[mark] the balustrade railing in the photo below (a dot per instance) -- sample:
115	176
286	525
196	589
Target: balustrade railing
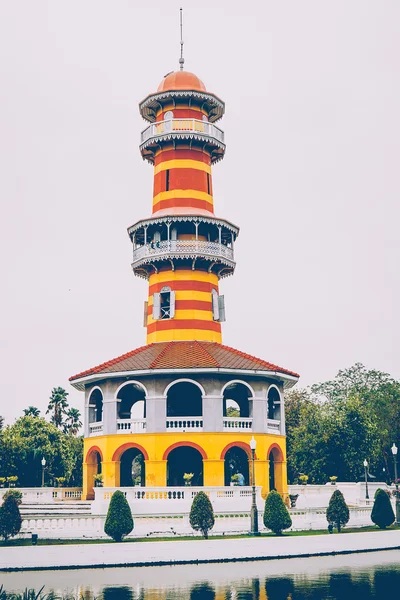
273	426
131	425
95	428
184	423
177	126
178	500
190	247
237	423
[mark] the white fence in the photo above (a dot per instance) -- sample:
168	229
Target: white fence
177	500
175	524
185	126
46	495
318	496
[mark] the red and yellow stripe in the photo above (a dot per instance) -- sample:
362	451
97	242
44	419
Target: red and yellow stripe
193	318
189	180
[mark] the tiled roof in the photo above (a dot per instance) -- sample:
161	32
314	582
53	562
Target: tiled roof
183	355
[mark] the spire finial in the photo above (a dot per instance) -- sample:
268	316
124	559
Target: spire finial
181	60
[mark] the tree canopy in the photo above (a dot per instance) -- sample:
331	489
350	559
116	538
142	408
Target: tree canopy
27	441
333	426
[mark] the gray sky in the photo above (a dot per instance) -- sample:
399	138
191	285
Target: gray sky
311	175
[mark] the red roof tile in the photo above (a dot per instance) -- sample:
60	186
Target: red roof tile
183	355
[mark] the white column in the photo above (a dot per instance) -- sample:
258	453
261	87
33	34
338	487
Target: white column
212	413
156	413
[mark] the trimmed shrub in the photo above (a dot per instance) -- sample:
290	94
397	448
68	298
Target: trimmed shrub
119	521
10	517
382	512
202	514
337	513
276	515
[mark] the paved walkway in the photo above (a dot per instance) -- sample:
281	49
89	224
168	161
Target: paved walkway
193	551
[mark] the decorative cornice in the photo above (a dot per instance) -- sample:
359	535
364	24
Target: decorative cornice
149	105
183	218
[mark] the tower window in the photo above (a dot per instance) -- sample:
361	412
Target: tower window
169	115
164	304
218	306
208	184
167	180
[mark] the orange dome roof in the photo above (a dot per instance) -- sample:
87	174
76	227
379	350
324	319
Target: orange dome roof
181	80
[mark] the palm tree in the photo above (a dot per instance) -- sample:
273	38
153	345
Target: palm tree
57	405
31	411
72	422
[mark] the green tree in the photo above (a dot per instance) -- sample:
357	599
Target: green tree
337	513
276	515
382	512
119	521
27	441
31	411
10	517
201	516
379	393
72	422
58	405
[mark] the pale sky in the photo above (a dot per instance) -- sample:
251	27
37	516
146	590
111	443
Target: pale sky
311	176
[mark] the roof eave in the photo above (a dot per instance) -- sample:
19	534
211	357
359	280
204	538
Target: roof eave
79	383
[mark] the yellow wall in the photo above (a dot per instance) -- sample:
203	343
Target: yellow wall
156	446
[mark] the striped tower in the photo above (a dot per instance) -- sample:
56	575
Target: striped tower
183	249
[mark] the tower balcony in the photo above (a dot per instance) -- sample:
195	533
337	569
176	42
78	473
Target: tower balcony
212	252
192	130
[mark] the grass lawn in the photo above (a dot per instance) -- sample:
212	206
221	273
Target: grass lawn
52	542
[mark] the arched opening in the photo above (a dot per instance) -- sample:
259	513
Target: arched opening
96	406
132	402
184	399
237	400
94	467
273	404
271	471
277	471
184	459
236	462
132	468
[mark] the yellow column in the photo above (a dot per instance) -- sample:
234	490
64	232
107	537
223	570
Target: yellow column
213	471
281	478
111	472
261	468
87	482
156	473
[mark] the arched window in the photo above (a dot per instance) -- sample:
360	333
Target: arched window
237	397
132	402
184	399
96	406
164	304
169	115
273	404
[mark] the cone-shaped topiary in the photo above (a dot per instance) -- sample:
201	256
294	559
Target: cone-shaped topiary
10	517
382	512
276	515
119	521
337	513
201	514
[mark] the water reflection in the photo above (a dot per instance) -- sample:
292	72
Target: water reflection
367	577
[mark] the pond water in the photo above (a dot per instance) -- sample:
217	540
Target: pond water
354	577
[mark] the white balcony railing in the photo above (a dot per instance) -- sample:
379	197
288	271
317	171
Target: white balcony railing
191	248
96	428
237	423
178	500
273	426
184	424
131	425
182	126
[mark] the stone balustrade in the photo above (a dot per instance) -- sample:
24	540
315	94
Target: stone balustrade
176	500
